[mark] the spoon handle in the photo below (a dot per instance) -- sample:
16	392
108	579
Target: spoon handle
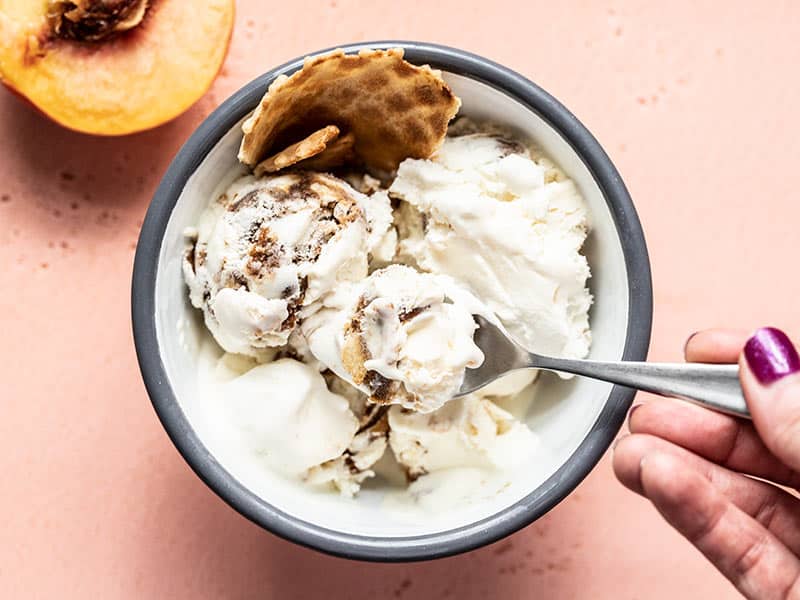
714	386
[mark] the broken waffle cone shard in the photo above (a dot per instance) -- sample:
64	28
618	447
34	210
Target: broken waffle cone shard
395	110
338	152
310	146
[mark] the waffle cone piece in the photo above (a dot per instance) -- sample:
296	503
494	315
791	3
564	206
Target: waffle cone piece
314	144
337	152
386	109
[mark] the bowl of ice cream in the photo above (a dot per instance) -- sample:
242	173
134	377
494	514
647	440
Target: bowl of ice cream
302	300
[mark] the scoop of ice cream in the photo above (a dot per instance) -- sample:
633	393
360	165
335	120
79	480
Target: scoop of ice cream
507	226
285	414
268	249
348	471
401	336
466	432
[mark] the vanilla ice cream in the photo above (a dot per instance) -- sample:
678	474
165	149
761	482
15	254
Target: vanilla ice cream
285	414
508	227
466	432
349	470
399	336
268	249
354	304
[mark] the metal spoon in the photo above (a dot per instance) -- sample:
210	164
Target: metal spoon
714	386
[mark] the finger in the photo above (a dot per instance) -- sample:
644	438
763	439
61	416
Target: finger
753	559
722	439
775	509
715	345
770	375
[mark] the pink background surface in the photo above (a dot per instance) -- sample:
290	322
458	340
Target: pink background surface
697	107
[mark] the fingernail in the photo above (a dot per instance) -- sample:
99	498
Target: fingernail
633	409
771	355
689	339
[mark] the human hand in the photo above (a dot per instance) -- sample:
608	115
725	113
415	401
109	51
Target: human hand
697	466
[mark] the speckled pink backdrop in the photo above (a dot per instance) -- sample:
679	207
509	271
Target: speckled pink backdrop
696	104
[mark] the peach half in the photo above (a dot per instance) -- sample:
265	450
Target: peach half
113	67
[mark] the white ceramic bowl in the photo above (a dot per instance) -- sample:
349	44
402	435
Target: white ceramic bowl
576	420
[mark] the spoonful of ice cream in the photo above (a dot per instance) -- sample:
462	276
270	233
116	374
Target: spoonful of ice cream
714	386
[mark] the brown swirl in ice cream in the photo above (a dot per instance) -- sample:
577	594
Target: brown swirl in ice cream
279	243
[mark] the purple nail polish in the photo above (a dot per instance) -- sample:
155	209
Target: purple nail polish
771	355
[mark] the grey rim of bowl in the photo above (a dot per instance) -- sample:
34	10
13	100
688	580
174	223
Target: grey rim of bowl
392	549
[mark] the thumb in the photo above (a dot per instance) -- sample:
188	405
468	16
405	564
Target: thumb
770	375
